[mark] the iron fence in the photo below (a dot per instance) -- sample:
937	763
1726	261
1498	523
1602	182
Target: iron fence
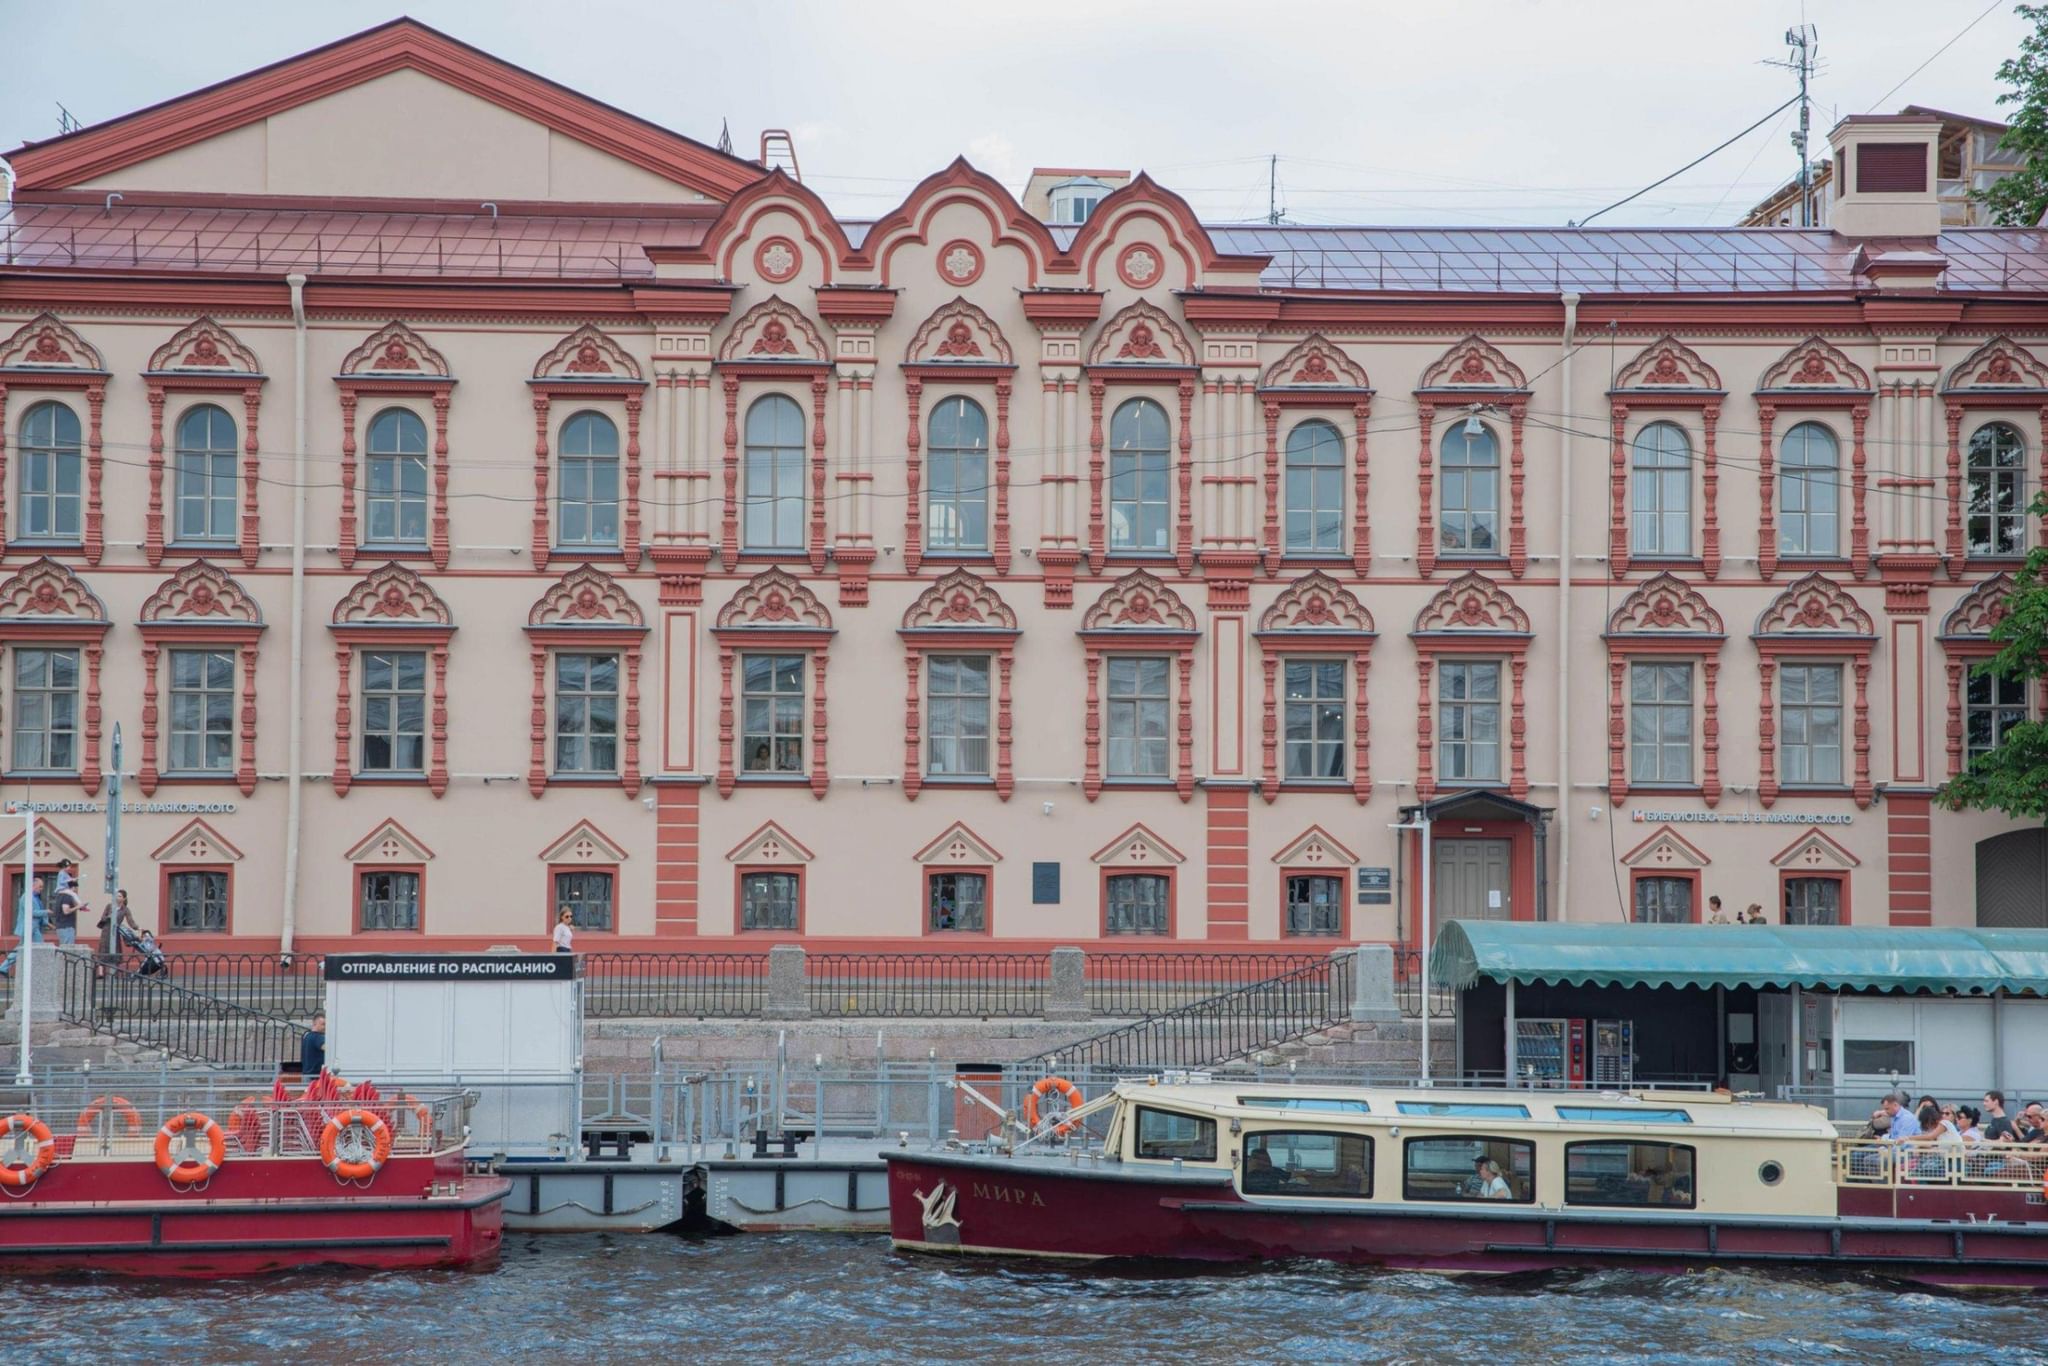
160	1014
1149	983
959	985
713	986
1409	992
290	988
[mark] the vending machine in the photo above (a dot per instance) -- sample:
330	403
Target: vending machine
1574	1052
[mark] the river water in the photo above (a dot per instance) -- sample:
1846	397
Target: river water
806	1298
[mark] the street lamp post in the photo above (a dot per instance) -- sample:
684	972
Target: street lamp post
25	923
1423	824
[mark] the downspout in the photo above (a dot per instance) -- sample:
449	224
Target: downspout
1565	644
295	760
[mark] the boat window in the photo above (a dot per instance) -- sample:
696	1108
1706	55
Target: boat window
1463	1109
1324	1165
1317	1103
1162	1134
1620	1114
1483	1168
1651	1174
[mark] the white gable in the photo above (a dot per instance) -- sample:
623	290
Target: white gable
197	842
1665	849
1315	847
771	844
1138	847
1815	850
390	843
959	845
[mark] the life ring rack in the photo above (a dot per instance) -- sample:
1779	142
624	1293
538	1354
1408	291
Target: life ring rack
188	1172
362	1169
89	1117
1047	1086
16	1178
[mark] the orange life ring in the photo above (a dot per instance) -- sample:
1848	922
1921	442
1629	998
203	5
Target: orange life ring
187	1171
1046	1086
21	1175
355	1169
88	1118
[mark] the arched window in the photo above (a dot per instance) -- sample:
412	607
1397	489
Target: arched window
1998	491
205	485
1809	492
397	500
1139	506
956	503
1315	489
1468	511
52	471
774	492
1662	476
587	512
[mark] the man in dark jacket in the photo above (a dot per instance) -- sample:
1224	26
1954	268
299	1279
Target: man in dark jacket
313	1048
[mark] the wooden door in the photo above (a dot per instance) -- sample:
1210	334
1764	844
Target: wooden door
1471	880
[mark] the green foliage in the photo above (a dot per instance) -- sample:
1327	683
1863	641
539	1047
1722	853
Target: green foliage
2017	200
2013	778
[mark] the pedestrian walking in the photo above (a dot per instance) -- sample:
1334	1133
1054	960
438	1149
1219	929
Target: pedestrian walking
31	924
565	931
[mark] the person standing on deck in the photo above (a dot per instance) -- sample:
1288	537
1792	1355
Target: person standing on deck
313	1048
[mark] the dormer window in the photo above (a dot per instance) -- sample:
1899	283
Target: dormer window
1073	200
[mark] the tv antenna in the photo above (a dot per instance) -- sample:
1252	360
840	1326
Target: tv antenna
1275	214
1803	44
67	122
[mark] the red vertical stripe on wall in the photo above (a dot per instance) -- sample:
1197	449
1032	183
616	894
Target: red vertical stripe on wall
1908	838
675	859
1229	856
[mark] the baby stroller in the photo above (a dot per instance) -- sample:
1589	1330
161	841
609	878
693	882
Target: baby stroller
144	945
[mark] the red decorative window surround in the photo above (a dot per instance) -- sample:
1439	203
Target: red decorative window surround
1814	618
1840	879
44	354
1813	376
586	609
1315	615
1172	876
1138	851
959	344
1139	615
774	341
1965	643
958	615
1316	374
1691	876
44	603
1473	372
200	607
1142	346
988	911
395	362
586	364
1473	617
553	910
773	611
391	606
803	888
1666	376
167	871
1664	619
365	870
204	358
2000	374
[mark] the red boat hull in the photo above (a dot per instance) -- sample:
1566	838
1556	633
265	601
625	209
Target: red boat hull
257	1214
1022	1208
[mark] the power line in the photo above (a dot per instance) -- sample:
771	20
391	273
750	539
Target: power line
1690	164
1936	53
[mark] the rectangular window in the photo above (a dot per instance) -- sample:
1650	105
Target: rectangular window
1137	722
768	901
1321	1105
199	902
1661	480
1653	1175
587	897
586	713
1462	1109
389	900
771	713
1315	490
956	901
1877	1057
1468	721
1139	511
202	711
50	494
1663	901
1810	724
394	711
1813	901
1315	905
1313	718
396	504
1136	903
1163	1135
46	711
1992	706
957	688
1660	723
1502	1169
1620	1114
1320	1165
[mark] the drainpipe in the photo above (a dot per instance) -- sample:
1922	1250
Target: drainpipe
295	761
1565	644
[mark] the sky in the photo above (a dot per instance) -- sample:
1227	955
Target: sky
1455	111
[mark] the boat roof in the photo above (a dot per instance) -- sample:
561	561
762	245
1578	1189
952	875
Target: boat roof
1624	1111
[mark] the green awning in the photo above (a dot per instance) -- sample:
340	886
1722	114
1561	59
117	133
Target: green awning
1830	956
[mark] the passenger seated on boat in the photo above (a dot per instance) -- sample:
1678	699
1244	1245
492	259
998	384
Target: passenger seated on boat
1491	1185
1261	1177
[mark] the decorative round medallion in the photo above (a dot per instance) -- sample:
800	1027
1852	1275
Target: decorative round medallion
1139	266
777	260
960	262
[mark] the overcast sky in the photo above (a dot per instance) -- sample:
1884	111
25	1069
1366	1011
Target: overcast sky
1452	111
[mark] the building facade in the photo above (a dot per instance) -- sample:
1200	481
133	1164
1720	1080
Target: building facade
471	501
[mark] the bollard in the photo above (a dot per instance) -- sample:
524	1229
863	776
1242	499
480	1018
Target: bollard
1066	996
787	998
1372	983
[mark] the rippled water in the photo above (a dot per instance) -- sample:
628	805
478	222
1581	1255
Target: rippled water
808	1298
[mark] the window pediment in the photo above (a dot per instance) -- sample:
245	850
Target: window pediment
772	598
1666	605
1815	605
196	842
1816	850
44	590
959	845
587	354
1315	363
773	330
45	342
958	334
390	842
1137	848
52	845
205	347
585	596
201	592
392	595
1980	610
1665	848
584	843
1472	602
395	351
1139	602
1315	847
1317	602
1668	363
1814	364
1474	363
2000	363
1142	334
770	844
960	601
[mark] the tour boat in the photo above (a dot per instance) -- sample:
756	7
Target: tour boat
1456	1180
187	1184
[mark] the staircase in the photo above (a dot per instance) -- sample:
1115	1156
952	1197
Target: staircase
126	1016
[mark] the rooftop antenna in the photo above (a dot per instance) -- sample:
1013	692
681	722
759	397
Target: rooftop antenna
67	122
1804	44
1274	213
725	136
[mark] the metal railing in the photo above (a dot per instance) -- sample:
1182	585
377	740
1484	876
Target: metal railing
1217	1029
1878	1162
160	1014
674	986
1409	992
291	989
1151	983
956	985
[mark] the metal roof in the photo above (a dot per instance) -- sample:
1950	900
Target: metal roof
1828	956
